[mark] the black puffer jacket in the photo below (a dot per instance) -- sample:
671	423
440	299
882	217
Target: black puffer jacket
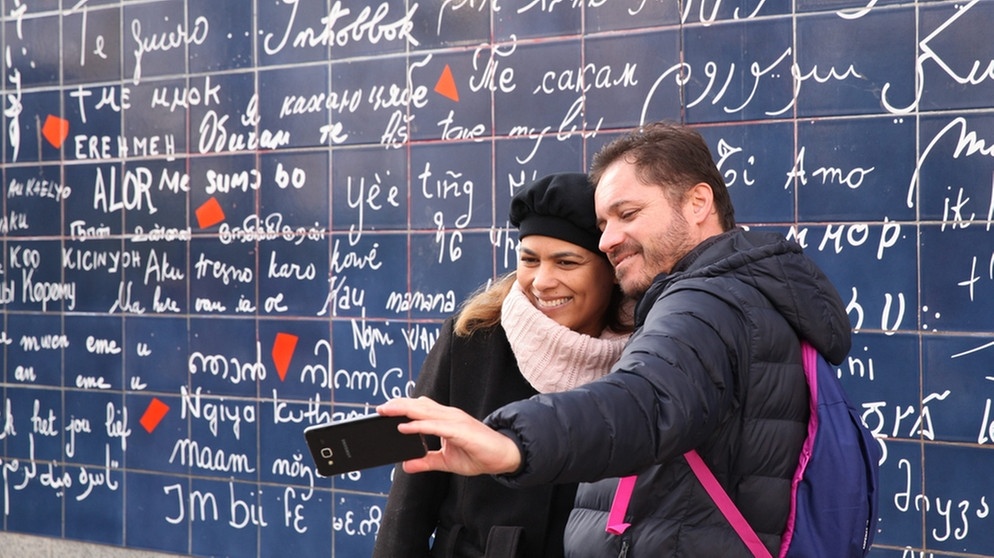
472	517
715	364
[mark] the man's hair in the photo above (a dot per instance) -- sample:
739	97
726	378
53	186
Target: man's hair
672	156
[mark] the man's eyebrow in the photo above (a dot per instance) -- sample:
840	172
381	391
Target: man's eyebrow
613	206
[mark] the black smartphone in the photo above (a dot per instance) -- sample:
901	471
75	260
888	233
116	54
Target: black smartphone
361	442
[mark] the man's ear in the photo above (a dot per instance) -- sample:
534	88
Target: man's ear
700	203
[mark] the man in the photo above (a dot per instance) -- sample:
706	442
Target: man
714	365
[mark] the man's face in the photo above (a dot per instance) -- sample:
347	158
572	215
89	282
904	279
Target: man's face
642	234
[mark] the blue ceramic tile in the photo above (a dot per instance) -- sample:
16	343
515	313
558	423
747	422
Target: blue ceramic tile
631	14
880	376
383	29
523	19
93	357
369	190
449	24
222	277
377	88
96	435
170	500
958	495
160	129
854	169
25	117
451	186
96	267
103	187
299	99
157	276
443	274
752	159
34	357
33	504
160	427
35	272
233	182
96	513
158	39
714	12
370	362
283	453
40	442
953	183
901	495
877	281
239	514
451	95
738	71
283	32
955	371
94	118
92	39
298	360
544	96
644	67
846	66
34	197
223	438
155	357
366	273
956	287
228	45
42	6
848	8
168	187
359	517
305	530
295	192
952	58
226	118
224	360
293	278
34	51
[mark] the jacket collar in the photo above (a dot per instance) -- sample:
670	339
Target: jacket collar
663	280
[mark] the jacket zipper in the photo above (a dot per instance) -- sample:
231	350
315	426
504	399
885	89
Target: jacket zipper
624	548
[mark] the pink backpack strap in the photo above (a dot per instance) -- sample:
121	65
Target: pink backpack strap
725	504
619	507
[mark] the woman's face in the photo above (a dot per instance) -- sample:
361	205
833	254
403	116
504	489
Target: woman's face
568	283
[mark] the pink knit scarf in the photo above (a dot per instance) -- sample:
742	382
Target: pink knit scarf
553	357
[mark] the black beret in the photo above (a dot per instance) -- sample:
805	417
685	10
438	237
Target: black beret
560	206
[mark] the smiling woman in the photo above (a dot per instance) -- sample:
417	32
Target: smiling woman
557	322
565	282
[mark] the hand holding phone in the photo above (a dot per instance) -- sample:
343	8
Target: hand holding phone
359	443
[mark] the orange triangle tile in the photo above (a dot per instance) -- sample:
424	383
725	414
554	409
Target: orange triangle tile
446	85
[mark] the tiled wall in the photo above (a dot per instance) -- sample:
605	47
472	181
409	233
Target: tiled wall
226	220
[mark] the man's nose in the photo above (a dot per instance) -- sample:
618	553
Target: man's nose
610	237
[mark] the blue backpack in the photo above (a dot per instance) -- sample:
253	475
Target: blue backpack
833	500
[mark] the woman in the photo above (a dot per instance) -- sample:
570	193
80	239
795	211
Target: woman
558	321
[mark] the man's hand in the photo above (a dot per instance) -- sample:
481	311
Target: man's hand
469	447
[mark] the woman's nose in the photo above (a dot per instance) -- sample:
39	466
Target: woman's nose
545	277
